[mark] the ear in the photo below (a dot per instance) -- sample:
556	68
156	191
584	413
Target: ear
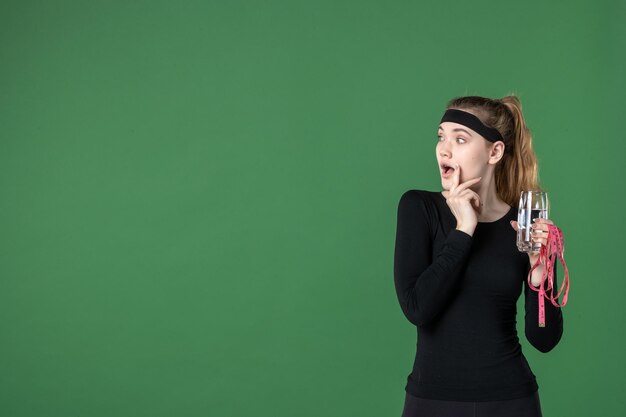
496	152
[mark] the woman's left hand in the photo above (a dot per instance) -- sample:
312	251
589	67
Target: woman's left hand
539	233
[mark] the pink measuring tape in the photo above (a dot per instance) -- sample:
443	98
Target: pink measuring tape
555	247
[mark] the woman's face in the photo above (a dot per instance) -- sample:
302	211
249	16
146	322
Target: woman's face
458	144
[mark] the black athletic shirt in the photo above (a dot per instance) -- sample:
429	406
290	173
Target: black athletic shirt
461	292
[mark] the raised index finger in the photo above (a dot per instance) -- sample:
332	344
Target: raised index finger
467	183
456	177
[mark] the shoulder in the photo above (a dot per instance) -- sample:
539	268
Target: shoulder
417	210
418	200
419	197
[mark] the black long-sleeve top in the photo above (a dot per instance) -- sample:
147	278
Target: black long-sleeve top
461	291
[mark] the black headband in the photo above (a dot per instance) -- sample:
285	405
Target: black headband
468	119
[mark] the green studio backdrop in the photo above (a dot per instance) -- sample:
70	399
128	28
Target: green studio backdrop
198	199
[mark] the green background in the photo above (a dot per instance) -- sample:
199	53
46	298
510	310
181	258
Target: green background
198	199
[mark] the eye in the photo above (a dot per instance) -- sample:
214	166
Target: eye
458	139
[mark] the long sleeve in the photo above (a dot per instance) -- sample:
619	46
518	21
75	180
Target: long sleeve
546	338
423	285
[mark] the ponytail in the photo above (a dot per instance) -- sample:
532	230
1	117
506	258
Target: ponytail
517	171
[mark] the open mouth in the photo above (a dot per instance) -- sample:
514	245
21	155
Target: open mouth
446	169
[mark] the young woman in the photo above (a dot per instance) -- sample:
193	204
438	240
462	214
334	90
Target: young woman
458	273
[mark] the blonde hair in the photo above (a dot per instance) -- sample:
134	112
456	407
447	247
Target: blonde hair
517	171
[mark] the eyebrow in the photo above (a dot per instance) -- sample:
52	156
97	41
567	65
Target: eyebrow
458	130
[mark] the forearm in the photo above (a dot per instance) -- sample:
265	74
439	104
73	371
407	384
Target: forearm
543	338
536	275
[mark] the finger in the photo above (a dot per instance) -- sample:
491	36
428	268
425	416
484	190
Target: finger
538	241
477	197
471	195
539	238
514	225
468	183
456	177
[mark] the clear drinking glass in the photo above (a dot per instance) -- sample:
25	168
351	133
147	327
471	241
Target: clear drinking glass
532	205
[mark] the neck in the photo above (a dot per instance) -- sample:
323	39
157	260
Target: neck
492	207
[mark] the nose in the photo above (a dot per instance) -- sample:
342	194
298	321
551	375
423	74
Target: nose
444	149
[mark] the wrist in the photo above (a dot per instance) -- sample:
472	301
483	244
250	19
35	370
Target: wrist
537	274
467	229
533	257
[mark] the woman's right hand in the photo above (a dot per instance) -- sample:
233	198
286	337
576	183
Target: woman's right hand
460	198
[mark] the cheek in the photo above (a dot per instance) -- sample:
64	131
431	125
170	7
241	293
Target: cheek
475	159
472	165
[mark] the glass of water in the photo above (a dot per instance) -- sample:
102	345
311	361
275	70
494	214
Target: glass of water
532	205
